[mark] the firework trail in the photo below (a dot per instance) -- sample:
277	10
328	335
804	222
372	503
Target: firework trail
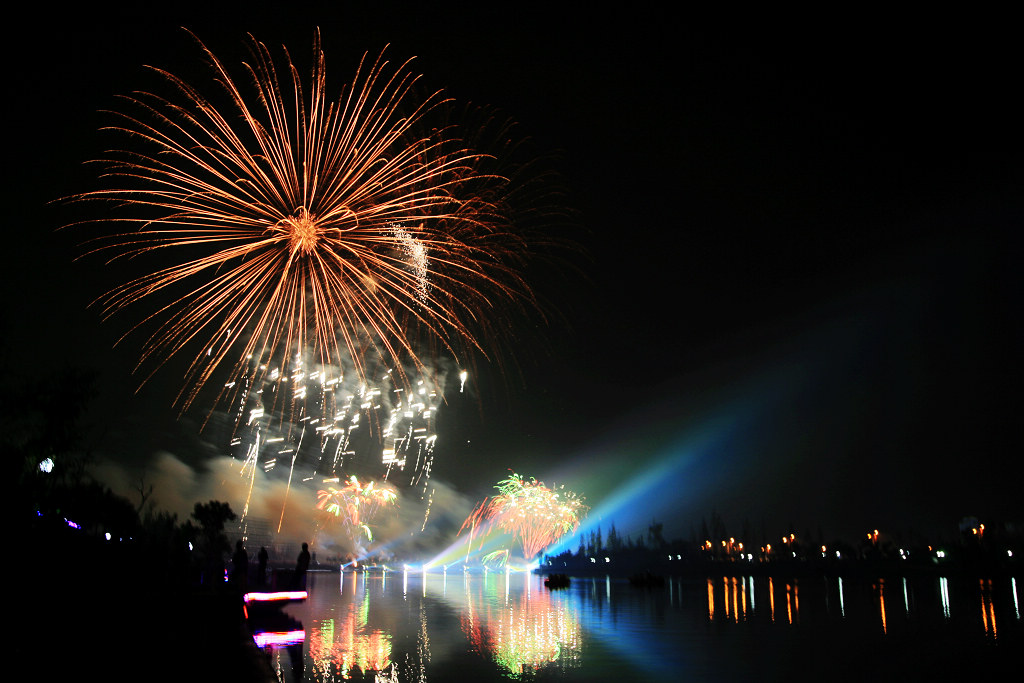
476	521
333	430
529	511
304	229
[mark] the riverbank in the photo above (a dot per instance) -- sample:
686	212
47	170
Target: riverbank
136	635
79	611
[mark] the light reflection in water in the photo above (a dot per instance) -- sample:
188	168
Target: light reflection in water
423	645
792	602
529	631
738	604
278	638
339	646
725	592
988	611
880	587
386	631
739	599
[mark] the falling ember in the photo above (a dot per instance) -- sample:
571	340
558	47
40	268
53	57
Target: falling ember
416	254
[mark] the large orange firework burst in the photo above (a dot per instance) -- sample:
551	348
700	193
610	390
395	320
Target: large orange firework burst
288	224
531	512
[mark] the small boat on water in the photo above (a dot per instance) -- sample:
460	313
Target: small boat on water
556	581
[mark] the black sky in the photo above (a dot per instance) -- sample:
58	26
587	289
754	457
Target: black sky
811	217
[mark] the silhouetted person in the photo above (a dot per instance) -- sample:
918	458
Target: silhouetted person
301	566
240	560
262	578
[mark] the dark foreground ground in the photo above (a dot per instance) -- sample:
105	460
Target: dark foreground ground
79	614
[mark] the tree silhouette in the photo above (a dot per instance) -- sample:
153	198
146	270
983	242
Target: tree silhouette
211	542
654	534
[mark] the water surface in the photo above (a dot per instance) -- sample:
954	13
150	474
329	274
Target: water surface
399	626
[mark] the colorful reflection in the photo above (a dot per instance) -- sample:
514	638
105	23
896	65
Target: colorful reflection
734	591
523	631
988	610
793	602
340	646
266	639
738	599
733	599
879	589
385	626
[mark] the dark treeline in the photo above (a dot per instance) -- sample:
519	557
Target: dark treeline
75	522
117	583
975	547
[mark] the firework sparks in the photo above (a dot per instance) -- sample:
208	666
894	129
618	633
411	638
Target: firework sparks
532	513
308	418
295	223
356	504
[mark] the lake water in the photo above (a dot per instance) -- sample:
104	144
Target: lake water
492	627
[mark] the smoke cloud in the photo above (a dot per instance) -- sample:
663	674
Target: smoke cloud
284	514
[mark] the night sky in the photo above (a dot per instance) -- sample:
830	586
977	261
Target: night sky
799	303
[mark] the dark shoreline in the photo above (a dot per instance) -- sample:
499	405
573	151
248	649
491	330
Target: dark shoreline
99	608
866	571
93	605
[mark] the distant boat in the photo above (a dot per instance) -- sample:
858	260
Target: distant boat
556	581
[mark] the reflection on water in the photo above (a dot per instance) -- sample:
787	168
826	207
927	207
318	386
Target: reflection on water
419	627
880	586
988	611
522	631
739	599
337	645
